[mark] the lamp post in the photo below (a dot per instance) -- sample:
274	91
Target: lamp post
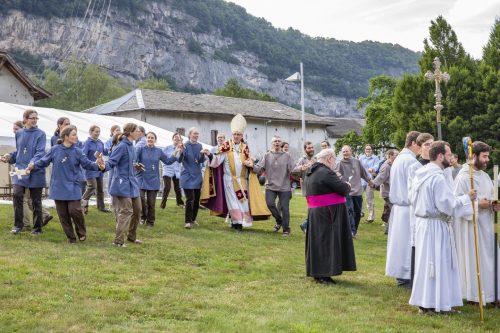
437	77
265	145
296	77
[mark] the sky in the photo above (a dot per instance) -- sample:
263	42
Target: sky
403	22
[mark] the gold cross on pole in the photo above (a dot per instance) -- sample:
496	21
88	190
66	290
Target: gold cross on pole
437	77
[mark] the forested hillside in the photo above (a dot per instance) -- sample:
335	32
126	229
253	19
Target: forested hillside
333	67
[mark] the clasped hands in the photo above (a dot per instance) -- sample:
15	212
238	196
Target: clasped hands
5	158
100	161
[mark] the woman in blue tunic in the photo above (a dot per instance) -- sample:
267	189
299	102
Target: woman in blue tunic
191	179
124	187
30	145
65	188
61	123
94	178
148	175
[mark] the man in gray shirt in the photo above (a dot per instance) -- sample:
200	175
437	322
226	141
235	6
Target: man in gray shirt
352	171
383	180
300	169
277	165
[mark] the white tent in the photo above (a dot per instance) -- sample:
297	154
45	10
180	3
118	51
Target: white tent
10	113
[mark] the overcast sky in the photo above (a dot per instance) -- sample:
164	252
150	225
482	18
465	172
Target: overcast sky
404	22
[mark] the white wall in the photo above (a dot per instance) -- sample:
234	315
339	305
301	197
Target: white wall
255	133
12	90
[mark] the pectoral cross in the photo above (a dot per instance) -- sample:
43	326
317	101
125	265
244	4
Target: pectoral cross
25	150
153	166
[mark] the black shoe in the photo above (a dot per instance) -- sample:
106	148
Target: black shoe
286	233
369	221
324	280
16	230
36	232
303	228
163	204
46	220
276	227
105	210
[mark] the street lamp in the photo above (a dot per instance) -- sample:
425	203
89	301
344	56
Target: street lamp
265	145
293	78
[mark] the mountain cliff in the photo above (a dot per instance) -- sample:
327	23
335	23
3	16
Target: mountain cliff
198	46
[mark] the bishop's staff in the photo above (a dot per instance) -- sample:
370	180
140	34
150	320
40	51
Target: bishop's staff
468	152
495	248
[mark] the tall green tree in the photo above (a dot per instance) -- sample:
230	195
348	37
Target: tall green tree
442	43
491	52
378	106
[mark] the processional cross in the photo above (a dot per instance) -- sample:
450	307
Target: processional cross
437	76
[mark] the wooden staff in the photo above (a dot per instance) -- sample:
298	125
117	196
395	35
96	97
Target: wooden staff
495	247
468	152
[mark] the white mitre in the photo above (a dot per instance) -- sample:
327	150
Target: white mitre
238	124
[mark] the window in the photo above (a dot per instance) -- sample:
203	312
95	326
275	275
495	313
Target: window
181	131
213	137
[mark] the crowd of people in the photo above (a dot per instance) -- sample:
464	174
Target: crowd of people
428	200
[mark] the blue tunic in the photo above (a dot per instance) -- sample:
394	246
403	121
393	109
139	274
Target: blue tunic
123	181
149	179
30	145
66	168
173	169
53	139
192	161
89	148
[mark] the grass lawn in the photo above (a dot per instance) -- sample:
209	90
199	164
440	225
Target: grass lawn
209	279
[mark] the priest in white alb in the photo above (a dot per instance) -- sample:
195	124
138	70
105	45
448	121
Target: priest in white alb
398	263
436	284
464	229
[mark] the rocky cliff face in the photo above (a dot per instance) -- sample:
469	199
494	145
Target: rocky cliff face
155	43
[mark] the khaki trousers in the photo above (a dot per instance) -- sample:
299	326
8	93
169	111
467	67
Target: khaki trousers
127	213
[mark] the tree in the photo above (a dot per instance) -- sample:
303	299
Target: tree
154	84
412	108
353	140
80	87
491	52
442	43
378	106
234	89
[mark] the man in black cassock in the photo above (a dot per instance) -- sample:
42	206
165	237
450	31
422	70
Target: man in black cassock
329	247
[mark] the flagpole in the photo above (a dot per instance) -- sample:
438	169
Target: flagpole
302	103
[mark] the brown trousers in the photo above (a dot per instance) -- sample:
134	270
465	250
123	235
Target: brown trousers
94	185
127	213
71	211
148	201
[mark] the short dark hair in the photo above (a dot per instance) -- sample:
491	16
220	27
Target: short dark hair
307	143
422	137
391	152
369	145
479	147
142	129
411	137
327	143
283	144
437	147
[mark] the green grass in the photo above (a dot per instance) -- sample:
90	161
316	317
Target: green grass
209	279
